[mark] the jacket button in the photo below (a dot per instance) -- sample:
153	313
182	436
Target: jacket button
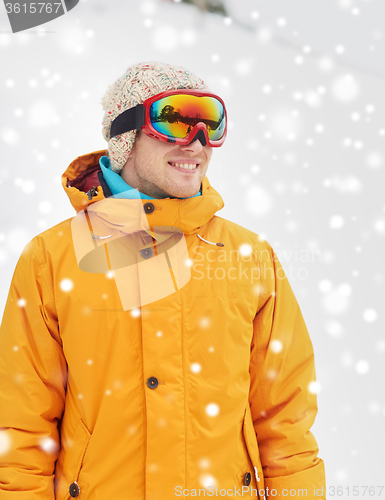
74	489
152	382
247	479
148	208
146	253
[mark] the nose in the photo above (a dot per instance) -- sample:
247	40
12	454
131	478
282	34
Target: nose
195	147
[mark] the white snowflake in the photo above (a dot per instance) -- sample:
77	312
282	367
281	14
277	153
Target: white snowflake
66	285
212	409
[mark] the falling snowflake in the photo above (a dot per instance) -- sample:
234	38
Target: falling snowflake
132	429
271	374
345	88
341	475
258	201
204	463
5	442
264	34
374	160
41	114
135	313
153	467
212	410
276	346
284	124
325	286
188	37
345	184
66	285
244	66
49	445
245	250
347	359
379	226
336	301
9	136
162	422
27	186
45	207
334	328
196	367
336	221
314	387
207	480
326	64
370	315
165	38
374	407
362	366
204	322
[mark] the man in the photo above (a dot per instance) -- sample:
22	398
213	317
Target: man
150	349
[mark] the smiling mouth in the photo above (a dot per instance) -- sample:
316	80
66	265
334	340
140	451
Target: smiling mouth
185	166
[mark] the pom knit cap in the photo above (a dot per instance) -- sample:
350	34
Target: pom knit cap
138	83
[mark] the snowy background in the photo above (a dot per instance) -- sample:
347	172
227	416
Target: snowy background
303	164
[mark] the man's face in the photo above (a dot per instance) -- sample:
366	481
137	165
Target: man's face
149	167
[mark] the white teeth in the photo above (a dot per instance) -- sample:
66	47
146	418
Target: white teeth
185	165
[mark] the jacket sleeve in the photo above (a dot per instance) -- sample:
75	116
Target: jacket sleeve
282	403
33	374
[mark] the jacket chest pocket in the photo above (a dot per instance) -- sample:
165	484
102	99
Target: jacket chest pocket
73	462
252	478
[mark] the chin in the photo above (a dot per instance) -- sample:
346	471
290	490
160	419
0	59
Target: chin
184	195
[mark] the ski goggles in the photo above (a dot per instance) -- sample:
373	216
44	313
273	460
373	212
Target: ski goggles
177	116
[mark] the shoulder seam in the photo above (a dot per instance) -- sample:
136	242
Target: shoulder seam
42	269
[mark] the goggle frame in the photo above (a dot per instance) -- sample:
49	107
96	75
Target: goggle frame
138	118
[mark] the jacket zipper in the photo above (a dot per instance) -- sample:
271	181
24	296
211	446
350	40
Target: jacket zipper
258	479
80	468
81	464
92	192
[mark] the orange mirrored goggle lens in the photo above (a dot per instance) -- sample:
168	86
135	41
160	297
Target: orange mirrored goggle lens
177	115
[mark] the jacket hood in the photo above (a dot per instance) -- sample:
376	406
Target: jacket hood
83	183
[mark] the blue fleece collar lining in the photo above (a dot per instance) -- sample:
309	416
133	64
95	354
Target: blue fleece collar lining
120	189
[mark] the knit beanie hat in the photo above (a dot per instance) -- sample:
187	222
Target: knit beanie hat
138	83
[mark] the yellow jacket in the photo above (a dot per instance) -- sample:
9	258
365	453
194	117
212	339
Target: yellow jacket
184	373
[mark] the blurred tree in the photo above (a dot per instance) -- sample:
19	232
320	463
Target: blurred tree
216	6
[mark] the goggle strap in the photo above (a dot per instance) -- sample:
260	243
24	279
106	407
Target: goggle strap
131	119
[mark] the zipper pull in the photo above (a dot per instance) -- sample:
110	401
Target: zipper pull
256	474
92	192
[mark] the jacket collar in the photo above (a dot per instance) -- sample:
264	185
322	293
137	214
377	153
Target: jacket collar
188	214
